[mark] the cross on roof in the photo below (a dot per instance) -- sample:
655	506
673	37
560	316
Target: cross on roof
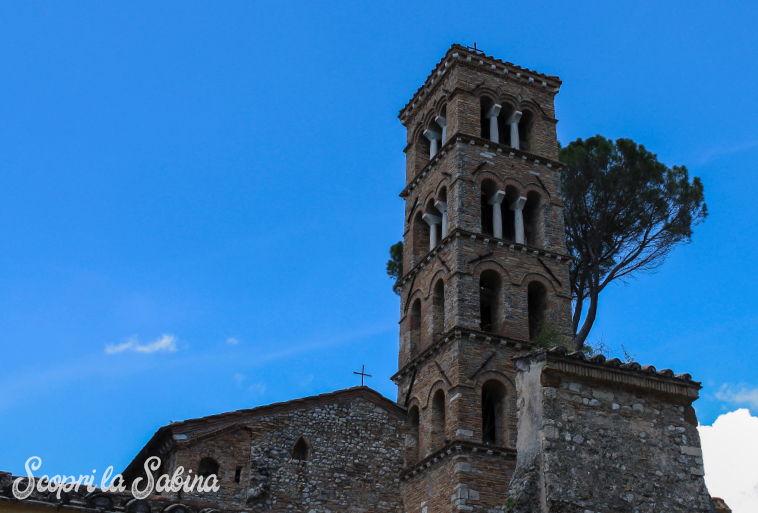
363	374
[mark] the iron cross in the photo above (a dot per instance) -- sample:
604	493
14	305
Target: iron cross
362	373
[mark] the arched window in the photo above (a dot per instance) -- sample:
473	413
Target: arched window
415	329
207	467
525	129
438	308
441	205
509	216
537	306
301	451
489	189
423	148
411	442
433	218
503	127
533	219
493	413
420	238
434	135
489	297
438	420
486	104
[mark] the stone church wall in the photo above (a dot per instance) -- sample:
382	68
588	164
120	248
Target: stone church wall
605	436
355	457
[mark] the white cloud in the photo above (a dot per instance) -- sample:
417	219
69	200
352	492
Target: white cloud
730	452
239	378
743	396
232	341
164	343
258	387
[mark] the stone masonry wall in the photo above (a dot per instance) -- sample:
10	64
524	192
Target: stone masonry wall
599	437
356	455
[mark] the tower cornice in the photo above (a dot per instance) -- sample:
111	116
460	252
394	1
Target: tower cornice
471	140
516	247
460	55
449	337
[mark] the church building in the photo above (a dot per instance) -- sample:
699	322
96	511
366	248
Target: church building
484	420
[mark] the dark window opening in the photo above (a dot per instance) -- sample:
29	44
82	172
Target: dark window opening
237	474
438	305
438	420
415	331
532	220
524	129
486	105
207	467
420	238
302	450
493	413
413	439
489	292
537	306
489	189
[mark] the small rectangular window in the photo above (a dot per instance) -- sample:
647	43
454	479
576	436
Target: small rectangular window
237	474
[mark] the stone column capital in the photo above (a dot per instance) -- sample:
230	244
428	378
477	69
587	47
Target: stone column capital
518	204
441	121
431	220
494	111
514	118
441	206
497	198
432	135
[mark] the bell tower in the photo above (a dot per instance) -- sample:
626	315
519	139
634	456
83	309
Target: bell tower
486	271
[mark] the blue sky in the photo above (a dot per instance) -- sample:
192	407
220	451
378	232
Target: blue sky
210	190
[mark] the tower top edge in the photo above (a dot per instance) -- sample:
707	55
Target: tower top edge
458	54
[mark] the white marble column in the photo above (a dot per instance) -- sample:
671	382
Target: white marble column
442	121
497	214
518	210
432	221
492	116
513	122
433	138
442	207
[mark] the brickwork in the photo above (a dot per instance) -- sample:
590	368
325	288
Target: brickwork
454	351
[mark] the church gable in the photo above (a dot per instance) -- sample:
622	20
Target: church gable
334	449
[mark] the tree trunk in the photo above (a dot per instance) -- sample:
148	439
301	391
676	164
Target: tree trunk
581	337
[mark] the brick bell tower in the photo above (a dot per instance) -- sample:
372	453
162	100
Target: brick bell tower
486	270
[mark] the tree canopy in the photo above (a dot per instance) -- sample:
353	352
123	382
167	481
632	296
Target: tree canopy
624	213
395	265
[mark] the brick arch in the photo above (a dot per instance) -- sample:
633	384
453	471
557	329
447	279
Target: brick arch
418	133
548	283
443	183
414	402
508	99
437	276
417	294
483	175
510	399
531	106
515	183
438	105
428	118
499	376
491	265
431	195
535	187
438	385
483	91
